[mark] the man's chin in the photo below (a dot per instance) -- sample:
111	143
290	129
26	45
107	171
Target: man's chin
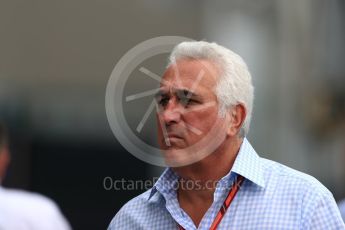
176	157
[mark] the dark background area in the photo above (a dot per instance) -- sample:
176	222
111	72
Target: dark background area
73	174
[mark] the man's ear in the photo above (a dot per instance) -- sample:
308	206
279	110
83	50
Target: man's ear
236	114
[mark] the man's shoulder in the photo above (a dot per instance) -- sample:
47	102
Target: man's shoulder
293	179
137	202
132	211
302	196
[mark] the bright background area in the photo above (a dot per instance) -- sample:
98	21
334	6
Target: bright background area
56	58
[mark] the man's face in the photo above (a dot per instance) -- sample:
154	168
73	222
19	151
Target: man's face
188	106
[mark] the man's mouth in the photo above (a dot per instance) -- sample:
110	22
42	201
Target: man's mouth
173	136
171	139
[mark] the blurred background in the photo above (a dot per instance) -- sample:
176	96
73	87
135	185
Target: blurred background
57	56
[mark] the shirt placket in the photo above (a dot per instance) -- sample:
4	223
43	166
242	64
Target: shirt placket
220	193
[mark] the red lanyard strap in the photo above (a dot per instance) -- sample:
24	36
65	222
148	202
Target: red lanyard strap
226	204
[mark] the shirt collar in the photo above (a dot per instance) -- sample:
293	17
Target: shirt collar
165	185
247	164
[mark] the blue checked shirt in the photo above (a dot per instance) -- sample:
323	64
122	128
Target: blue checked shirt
272	196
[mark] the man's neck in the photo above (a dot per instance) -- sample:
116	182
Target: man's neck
213	167
198	181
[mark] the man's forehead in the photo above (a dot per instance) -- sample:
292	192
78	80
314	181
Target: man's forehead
193	88
187	69
196	82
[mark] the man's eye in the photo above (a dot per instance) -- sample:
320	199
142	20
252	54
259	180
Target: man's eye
185	101
163	101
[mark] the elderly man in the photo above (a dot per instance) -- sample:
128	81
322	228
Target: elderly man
216	180
21	210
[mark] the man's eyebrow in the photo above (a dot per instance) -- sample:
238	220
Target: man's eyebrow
161	92
186	93
178	92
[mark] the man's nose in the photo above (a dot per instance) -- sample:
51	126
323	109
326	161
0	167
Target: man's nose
171	113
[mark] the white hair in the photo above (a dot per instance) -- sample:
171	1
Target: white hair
234	86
